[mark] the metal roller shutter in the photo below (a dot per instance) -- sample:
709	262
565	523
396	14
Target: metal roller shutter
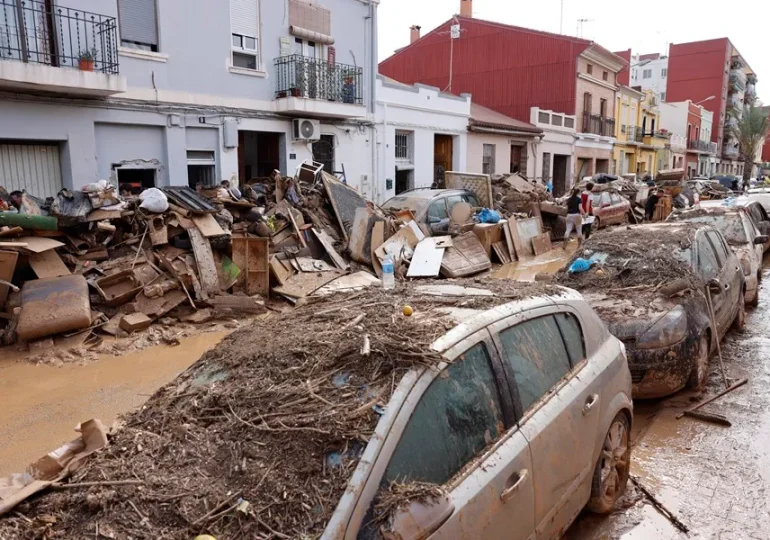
33	167
244	17
138	21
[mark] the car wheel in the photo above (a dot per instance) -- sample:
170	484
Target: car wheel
700	371
611	472
754	302
624	221
597	223
740	319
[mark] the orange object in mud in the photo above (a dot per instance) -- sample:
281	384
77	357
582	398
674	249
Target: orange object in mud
52	306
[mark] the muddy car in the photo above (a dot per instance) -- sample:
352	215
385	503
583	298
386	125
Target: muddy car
432	208
650	285
478	416
609	208
741	234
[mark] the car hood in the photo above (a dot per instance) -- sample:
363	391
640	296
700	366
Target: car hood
628	317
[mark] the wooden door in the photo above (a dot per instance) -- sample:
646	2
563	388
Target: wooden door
442	157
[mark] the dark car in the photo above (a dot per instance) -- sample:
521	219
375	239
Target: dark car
651	287
431	207
758	215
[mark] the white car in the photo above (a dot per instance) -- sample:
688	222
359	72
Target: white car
741	234
526	423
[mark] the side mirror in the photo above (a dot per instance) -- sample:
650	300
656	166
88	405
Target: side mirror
715	286
418	520
761	240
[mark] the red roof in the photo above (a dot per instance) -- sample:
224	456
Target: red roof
484	117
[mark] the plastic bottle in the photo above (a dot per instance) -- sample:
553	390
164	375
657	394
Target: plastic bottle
388	279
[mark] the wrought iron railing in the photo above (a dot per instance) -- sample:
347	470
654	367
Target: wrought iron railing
54	35
598	125
300	76
729	151
702	146
737	83
639	134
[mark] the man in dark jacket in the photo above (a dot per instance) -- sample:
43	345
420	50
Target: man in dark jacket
652	201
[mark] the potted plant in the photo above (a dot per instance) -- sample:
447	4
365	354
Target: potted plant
86	59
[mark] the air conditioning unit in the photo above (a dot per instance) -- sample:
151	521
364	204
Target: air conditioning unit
306	130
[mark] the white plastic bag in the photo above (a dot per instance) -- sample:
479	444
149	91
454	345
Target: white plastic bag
153	200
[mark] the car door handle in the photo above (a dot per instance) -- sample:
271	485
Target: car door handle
511	491
590	402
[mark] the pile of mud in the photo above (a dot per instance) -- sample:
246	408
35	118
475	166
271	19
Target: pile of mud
259	437
639	260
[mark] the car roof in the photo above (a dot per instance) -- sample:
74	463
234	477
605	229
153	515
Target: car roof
430	193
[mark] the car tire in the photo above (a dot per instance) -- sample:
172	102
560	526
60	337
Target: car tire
754	302
611	473
700	370
625	219
739	322
597	223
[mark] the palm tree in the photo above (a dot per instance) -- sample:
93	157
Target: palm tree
750	128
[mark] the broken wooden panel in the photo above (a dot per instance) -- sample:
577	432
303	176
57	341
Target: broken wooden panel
360	245
479	184
53	305
250	254
527	229
426	261
403	242
465	258
118	288
305	283
327	244
541	243
345	200
238	304
204	259
501	251
157	307
208	226
377	239
38	244
488	234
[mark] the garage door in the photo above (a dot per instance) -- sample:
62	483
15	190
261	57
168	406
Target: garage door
34	167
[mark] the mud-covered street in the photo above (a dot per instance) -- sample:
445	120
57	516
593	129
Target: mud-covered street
714	479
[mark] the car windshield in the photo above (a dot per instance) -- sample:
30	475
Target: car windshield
415	204
729	225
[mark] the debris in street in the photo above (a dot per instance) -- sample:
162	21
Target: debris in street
399	496
734	386
675	521
709	417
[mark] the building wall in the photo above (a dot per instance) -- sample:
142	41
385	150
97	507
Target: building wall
697	71
557	140
657	81
485	66
423	111
476	142
597	87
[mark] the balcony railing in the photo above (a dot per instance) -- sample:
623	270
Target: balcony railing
702	146
598	125
729	152
737	83
639	134
300	76
54	35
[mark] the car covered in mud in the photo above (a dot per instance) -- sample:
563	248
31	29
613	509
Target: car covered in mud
486	413
432	208
609	207
741	234
653	285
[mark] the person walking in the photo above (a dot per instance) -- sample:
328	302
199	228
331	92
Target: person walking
574	217
652	202
588	209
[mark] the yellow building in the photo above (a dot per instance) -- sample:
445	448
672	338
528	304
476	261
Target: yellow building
628	133
653	139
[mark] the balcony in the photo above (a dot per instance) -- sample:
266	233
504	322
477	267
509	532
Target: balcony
702	146
314	87
598	125
729	152
737	83
52	48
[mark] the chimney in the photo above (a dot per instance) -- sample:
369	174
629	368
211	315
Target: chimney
466	8
415	35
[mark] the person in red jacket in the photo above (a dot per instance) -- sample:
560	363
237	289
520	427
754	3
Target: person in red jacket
588	209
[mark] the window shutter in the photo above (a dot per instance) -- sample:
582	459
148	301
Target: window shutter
310	18
244	17
138	21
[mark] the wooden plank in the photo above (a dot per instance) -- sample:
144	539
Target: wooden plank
207	225
7	267
360	244
303	284
345	200
513	230
488	234
502	252
38	244
99	214
509	241
426	261
11	231
242	304
280	271
204	258
407	237
250	254
541	243
328	245
48	264
378	238
466	257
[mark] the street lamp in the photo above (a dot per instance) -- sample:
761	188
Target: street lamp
705	100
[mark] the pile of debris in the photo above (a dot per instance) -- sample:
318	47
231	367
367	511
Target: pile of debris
260	436
513	194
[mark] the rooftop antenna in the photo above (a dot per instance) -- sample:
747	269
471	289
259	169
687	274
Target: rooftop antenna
580	23
561	18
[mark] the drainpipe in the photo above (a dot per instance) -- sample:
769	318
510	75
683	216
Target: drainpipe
373	98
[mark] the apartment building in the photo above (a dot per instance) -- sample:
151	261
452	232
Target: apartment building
691	123
628	136
648	71
177	92
714	74
564	74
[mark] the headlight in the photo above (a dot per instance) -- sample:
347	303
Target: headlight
671	328
746	265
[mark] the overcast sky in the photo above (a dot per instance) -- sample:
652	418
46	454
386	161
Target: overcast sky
645	26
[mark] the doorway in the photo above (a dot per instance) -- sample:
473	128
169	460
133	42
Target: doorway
259	154
404	181
442	158
560	168
134	181
602	166
323	152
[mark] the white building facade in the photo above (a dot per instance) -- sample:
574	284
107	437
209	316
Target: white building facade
556	150
650	71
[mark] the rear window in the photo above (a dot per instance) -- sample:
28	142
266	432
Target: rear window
414	204
728	224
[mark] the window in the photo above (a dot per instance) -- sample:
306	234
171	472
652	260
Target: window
471	199
587	102
543	117
244	25
633	74
488	159
404	146
569	122
536	354
138	24
557	120
573	336
201	168
603	107
719	247
708	265
605	76
647	74
437	211
323	152
456	418
663	96
664	72
589	69
615	199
